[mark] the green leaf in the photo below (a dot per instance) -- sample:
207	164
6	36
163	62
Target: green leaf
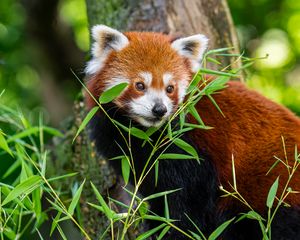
186	147
139	133
167	212
156	195
215	234
75	199
151	130
86	120
4	145
37	204
175	156
194	83
251	215
125	168
157	218
213	60
23	188
197	126
163	232
62	176
218	73
108	212
55	222
112	93
12	167
196	236
272	193
156	168
35	130
195	225
218	50
216	85
2	93
143	209
195	114
216	105
149	233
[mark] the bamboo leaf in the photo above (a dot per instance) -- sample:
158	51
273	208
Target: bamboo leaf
139	133
125	168
186	147
86	120
108	212
62	176
4	145
272	193
156	167
112	93
75	199
156	195
167	212
23	188
215	234
218	50
213	60
196	236
149	233
163	232
34	130
195	114
175	156
218	73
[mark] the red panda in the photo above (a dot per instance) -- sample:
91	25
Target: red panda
158	70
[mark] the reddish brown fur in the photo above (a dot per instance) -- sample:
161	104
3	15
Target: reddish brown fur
251	131
147	52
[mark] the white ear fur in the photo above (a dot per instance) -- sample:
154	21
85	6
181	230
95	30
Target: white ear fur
193	48
105	39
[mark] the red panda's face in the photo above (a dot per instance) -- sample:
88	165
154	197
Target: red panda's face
157	70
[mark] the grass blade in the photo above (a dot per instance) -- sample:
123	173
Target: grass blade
272	193
215	234
4	145
149	233
75	199
186	147
108	212
110	94
125	168
23	188
176	156
86	120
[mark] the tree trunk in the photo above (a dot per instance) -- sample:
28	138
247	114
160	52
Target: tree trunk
210	17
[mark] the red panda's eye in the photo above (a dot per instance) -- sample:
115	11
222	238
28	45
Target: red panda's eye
170	89
140	86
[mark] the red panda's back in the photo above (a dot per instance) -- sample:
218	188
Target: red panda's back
251	132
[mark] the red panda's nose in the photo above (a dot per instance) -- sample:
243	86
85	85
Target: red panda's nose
159	110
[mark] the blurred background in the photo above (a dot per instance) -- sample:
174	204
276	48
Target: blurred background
41	41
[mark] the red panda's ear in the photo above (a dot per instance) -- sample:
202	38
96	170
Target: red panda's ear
105	39
193	48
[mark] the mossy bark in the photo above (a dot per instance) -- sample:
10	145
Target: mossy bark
210	17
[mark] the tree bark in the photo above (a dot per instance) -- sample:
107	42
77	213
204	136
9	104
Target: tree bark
210	17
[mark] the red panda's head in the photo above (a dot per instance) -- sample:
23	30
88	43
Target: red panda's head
156	68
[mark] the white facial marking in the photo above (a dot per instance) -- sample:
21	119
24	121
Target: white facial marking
141	107
182	87
147	76
167	77
115	81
